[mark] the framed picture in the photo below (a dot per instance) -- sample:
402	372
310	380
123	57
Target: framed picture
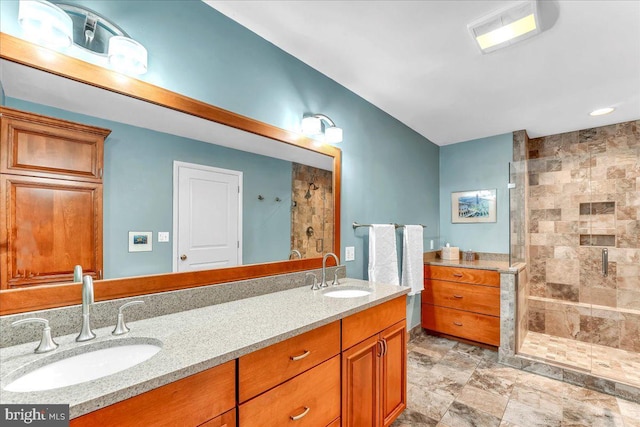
140	241
473	206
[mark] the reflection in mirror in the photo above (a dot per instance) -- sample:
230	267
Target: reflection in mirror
286	199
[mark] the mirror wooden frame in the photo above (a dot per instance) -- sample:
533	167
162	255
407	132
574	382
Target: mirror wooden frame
51	296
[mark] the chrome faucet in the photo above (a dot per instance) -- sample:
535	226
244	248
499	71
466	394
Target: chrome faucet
86	333
295	252
323	282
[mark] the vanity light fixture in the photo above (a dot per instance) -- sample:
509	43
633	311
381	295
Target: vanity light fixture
45	24
58	25
317	125
601	111
506	26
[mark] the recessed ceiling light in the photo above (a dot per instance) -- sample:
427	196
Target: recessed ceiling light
601	111
506	26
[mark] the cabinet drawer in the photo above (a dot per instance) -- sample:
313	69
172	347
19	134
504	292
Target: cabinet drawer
463	296
228	419
42	146
362	325
263	369
187	402
463	275
313	396
472	326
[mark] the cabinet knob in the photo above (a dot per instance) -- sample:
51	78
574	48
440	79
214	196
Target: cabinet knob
458	296
457	323
183	257
457	275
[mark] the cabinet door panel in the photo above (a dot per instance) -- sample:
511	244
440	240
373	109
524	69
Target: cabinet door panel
190	401
476	298
393	374
463	275
49	226
313	397
37	145
360	384
364	324
472	326
266	368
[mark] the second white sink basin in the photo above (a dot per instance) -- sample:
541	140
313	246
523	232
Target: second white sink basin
345	291
86	366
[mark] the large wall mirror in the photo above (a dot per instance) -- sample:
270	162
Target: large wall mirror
285	177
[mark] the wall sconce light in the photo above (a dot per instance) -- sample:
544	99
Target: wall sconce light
315	125
58	25
506	26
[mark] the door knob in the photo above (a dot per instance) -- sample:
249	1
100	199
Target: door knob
183	257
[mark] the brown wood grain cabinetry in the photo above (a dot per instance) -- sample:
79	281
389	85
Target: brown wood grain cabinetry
462	302
310	399
191	401
374	368
51	195
228	419
263	369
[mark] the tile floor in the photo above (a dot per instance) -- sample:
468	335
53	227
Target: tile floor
603	361
451	384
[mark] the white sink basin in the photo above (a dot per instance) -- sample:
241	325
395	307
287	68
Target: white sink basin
89	365
342	291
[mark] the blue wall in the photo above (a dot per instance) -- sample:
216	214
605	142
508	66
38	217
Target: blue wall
480	164
390	172
138	193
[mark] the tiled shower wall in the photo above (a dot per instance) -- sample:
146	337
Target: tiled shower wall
583	196
311	211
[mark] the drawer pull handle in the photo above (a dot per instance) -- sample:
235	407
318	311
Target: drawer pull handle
297	417
457	323
457	274
302	356
458	296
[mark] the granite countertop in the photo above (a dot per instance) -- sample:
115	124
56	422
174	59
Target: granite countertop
192	341
500	266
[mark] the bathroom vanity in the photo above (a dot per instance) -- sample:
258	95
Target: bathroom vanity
462	299
265	360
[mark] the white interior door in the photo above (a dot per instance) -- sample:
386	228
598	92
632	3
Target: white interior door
207	217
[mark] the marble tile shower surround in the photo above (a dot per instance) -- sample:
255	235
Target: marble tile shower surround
316	211
66	320
584	187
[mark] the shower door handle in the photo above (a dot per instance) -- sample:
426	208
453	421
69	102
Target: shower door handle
605	262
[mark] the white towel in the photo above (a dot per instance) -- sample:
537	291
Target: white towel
412	258
383	259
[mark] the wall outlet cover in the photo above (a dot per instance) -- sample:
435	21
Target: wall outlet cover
163	236
349	253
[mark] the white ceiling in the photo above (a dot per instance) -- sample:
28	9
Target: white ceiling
416	61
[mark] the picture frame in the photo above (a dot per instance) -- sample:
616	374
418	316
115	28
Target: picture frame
140	241
475	206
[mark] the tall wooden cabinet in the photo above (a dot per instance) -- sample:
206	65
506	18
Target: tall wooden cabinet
51	199
374	365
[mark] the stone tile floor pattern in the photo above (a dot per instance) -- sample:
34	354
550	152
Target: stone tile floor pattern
607	362
452	384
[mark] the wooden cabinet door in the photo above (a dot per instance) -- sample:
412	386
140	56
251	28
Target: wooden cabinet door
360	384
188	402
393	372
47	226
47	147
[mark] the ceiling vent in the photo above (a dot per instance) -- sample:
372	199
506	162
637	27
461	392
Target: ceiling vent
506	26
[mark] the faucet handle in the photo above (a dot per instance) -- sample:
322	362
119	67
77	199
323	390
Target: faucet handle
314	286
335	274
121	327
46	342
